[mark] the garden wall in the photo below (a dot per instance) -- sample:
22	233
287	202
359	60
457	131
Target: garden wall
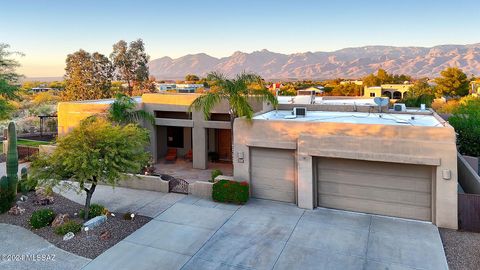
144	182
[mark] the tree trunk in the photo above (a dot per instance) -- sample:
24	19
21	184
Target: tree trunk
88	199
232	120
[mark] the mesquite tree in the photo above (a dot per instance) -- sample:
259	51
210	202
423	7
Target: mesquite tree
96	151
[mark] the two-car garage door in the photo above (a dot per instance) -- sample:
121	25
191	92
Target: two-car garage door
392	189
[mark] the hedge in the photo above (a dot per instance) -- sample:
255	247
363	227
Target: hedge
230	191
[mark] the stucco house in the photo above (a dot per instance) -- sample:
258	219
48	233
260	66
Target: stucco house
392	91
350	157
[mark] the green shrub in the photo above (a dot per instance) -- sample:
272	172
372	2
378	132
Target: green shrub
94	211
69	226
230	191
41	218
216	173
466	121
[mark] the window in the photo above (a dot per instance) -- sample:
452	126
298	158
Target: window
175	137
372	94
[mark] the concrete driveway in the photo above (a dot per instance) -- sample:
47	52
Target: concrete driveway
200	234
19	241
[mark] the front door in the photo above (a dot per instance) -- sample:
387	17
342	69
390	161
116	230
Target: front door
224	144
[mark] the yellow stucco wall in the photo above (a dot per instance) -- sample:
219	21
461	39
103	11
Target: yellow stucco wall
71	113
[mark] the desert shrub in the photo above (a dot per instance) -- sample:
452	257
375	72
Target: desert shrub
95	210
41	218
230	191
216	173
69	226
445	107
416	101
466	121
6	199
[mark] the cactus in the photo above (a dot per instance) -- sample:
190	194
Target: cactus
12	158
6	195
24	173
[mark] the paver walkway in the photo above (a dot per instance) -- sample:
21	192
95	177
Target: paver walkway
16	240
196	234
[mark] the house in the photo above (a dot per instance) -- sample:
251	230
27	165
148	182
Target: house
174	126
392	91
395	164
274	86
356	82
179	87
343	154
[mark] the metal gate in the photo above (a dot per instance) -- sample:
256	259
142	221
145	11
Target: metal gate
178	185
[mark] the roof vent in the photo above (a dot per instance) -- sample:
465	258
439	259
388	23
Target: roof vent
399	107
300	111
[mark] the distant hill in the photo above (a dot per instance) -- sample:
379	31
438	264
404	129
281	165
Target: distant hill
344	63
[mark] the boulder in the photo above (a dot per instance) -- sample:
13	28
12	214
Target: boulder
105	235
44	200
16	210
59	220
95	222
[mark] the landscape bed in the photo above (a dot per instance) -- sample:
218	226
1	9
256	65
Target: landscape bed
462	249
86	246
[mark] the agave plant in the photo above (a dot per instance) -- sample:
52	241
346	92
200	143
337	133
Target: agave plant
124	111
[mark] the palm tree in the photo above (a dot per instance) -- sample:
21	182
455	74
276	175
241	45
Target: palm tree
237	92
123	111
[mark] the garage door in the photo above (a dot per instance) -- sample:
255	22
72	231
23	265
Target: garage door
272	174
392	189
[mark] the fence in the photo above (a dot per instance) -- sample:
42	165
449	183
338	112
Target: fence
469	212
25	152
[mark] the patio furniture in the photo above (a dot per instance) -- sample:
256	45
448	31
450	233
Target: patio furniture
189	155
171	154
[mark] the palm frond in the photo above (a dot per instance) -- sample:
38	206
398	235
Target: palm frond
205	103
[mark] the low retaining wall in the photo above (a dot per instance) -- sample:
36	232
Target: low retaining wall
201	189
46	149
144	182
467	176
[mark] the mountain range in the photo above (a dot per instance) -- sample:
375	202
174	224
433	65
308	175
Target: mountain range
345	63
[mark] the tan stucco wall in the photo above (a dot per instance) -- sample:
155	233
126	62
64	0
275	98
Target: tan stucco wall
434	146
71	113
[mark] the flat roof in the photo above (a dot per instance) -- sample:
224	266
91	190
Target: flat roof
106	101
404	119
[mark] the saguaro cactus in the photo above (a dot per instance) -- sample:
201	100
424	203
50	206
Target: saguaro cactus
12	158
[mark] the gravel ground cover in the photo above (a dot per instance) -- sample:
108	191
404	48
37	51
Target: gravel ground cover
461	248
83	244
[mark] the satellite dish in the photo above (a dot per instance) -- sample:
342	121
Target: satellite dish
381	101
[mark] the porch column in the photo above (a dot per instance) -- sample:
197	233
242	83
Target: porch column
199	147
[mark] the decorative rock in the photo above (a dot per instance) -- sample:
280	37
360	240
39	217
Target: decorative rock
60	220
40	192
105	235
23	198
95	222
16	210
44	200
68	236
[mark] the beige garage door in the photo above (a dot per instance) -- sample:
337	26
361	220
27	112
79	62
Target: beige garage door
272	174
392	189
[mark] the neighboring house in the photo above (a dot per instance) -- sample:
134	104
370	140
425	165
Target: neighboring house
311	90
179	87
41	89
475	88
356	82
174	126
392	91
339	155
274	86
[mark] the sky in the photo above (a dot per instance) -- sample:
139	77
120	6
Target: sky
46	31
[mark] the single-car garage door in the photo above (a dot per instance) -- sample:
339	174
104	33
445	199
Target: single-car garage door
272	174
400	190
